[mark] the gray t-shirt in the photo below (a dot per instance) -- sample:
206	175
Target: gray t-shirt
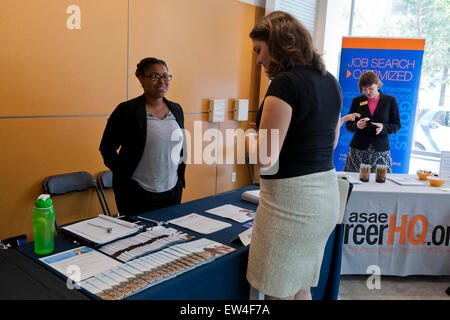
157	171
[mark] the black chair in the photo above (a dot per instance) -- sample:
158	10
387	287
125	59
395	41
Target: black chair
104	181
70	182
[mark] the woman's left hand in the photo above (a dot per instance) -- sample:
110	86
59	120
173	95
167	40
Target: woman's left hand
379	127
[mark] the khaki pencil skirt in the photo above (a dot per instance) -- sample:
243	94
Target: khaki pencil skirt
294	219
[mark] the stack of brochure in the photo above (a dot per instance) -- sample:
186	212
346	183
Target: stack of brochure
146	271
251	196
143	243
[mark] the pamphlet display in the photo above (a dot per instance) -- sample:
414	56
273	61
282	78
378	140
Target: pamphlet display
146	271
128	258
151	240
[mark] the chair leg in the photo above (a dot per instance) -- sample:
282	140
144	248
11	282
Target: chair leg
101	203
105	202
249	169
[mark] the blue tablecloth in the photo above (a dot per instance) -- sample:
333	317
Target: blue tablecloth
224	278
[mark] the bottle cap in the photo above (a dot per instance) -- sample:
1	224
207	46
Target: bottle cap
44	201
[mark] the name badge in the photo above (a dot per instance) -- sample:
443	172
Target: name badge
363	103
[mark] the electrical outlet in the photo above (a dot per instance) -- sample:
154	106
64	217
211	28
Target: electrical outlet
233	177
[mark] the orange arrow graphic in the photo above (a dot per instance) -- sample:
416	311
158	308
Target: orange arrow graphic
348	73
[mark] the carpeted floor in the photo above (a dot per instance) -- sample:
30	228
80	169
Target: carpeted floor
355	287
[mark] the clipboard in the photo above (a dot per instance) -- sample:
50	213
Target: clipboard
93	232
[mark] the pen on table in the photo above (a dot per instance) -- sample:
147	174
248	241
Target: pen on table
108	229
154	221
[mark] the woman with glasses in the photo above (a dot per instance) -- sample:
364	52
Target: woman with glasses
143	143
298	207
378	118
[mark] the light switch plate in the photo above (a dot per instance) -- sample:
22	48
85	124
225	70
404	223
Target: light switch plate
240	109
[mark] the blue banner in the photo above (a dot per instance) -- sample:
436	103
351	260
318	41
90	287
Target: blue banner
399	70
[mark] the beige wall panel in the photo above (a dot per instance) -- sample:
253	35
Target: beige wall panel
35	148
263	86
48	69
205	44
233	153
200	177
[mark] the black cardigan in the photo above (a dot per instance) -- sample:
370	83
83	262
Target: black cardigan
386	113
127	128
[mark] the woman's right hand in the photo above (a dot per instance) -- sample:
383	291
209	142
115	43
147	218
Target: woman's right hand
361	124
352	116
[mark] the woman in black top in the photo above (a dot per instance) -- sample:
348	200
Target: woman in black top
137	143
379	117
301	108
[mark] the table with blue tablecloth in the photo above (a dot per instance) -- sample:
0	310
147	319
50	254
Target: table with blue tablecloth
224	278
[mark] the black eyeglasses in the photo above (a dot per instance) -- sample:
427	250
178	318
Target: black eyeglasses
157	76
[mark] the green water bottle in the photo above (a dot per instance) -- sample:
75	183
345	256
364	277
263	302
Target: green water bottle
43	225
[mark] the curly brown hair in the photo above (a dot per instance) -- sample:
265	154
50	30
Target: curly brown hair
290	43
367	79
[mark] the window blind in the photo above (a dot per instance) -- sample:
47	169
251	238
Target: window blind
303	10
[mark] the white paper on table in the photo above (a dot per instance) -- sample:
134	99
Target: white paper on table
80	263
232	212
246	236
353	180
200	223
407	181
89	229
444	168
350	177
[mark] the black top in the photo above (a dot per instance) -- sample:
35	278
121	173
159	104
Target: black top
316	102
385	113
127	129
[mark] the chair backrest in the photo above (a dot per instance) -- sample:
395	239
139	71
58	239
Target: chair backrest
104	181
70	182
